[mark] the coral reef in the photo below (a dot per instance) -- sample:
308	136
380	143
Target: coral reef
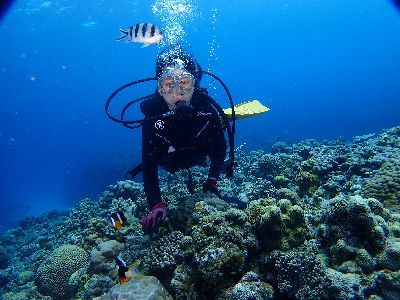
53	274
300	274
348	223
250	287
97	286
322	222
4	258
165	253
384	184
103	255
146	288
278	225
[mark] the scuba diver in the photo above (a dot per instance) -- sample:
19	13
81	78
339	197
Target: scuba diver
182	127
185	138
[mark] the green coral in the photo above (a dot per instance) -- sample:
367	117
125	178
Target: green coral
341	252
390	257
351	217
307	182
182	282
278	226
388	284
77	282
365	261
25	276
222	241
213	261
357	235
281	181
285	193
53	274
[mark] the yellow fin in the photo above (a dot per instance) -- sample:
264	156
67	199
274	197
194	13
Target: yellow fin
247	109
134	268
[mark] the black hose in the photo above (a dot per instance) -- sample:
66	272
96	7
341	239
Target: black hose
128	105
230	129
231	135
121	121
229	96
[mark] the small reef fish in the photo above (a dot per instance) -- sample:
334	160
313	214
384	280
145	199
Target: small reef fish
145	33
118	220
89	24
124	273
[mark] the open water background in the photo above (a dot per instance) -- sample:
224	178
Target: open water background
327	70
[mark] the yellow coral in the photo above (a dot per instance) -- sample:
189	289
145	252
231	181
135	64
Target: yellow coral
199	205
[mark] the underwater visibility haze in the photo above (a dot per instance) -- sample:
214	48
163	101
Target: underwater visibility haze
329	71
326	70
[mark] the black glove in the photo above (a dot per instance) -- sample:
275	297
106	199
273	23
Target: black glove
211	186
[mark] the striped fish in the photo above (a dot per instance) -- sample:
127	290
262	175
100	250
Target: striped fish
145	33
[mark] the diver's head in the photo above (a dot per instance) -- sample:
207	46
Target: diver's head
178	76
176	84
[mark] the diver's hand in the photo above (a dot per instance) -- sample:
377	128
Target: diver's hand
211	186
154	219
230	168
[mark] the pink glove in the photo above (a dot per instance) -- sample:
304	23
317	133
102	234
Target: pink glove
154	219
211	186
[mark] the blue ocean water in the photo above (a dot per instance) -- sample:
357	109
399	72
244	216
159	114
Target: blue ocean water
327	70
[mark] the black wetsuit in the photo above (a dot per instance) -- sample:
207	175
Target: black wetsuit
177	143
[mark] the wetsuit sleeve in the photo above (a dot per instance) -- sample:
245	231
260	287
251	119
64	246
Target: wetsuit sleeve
150	165
218	150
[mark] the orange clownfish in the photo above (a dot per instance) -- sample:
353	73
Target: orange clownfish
118	220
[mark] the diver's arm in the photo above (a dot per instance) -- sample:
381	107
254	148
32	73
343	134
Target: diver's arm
150	165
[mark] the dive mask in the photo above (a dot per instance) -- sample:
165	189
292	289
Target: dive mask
175	77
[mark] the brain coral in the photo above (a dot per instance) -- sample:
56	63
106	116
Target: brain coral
53	274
